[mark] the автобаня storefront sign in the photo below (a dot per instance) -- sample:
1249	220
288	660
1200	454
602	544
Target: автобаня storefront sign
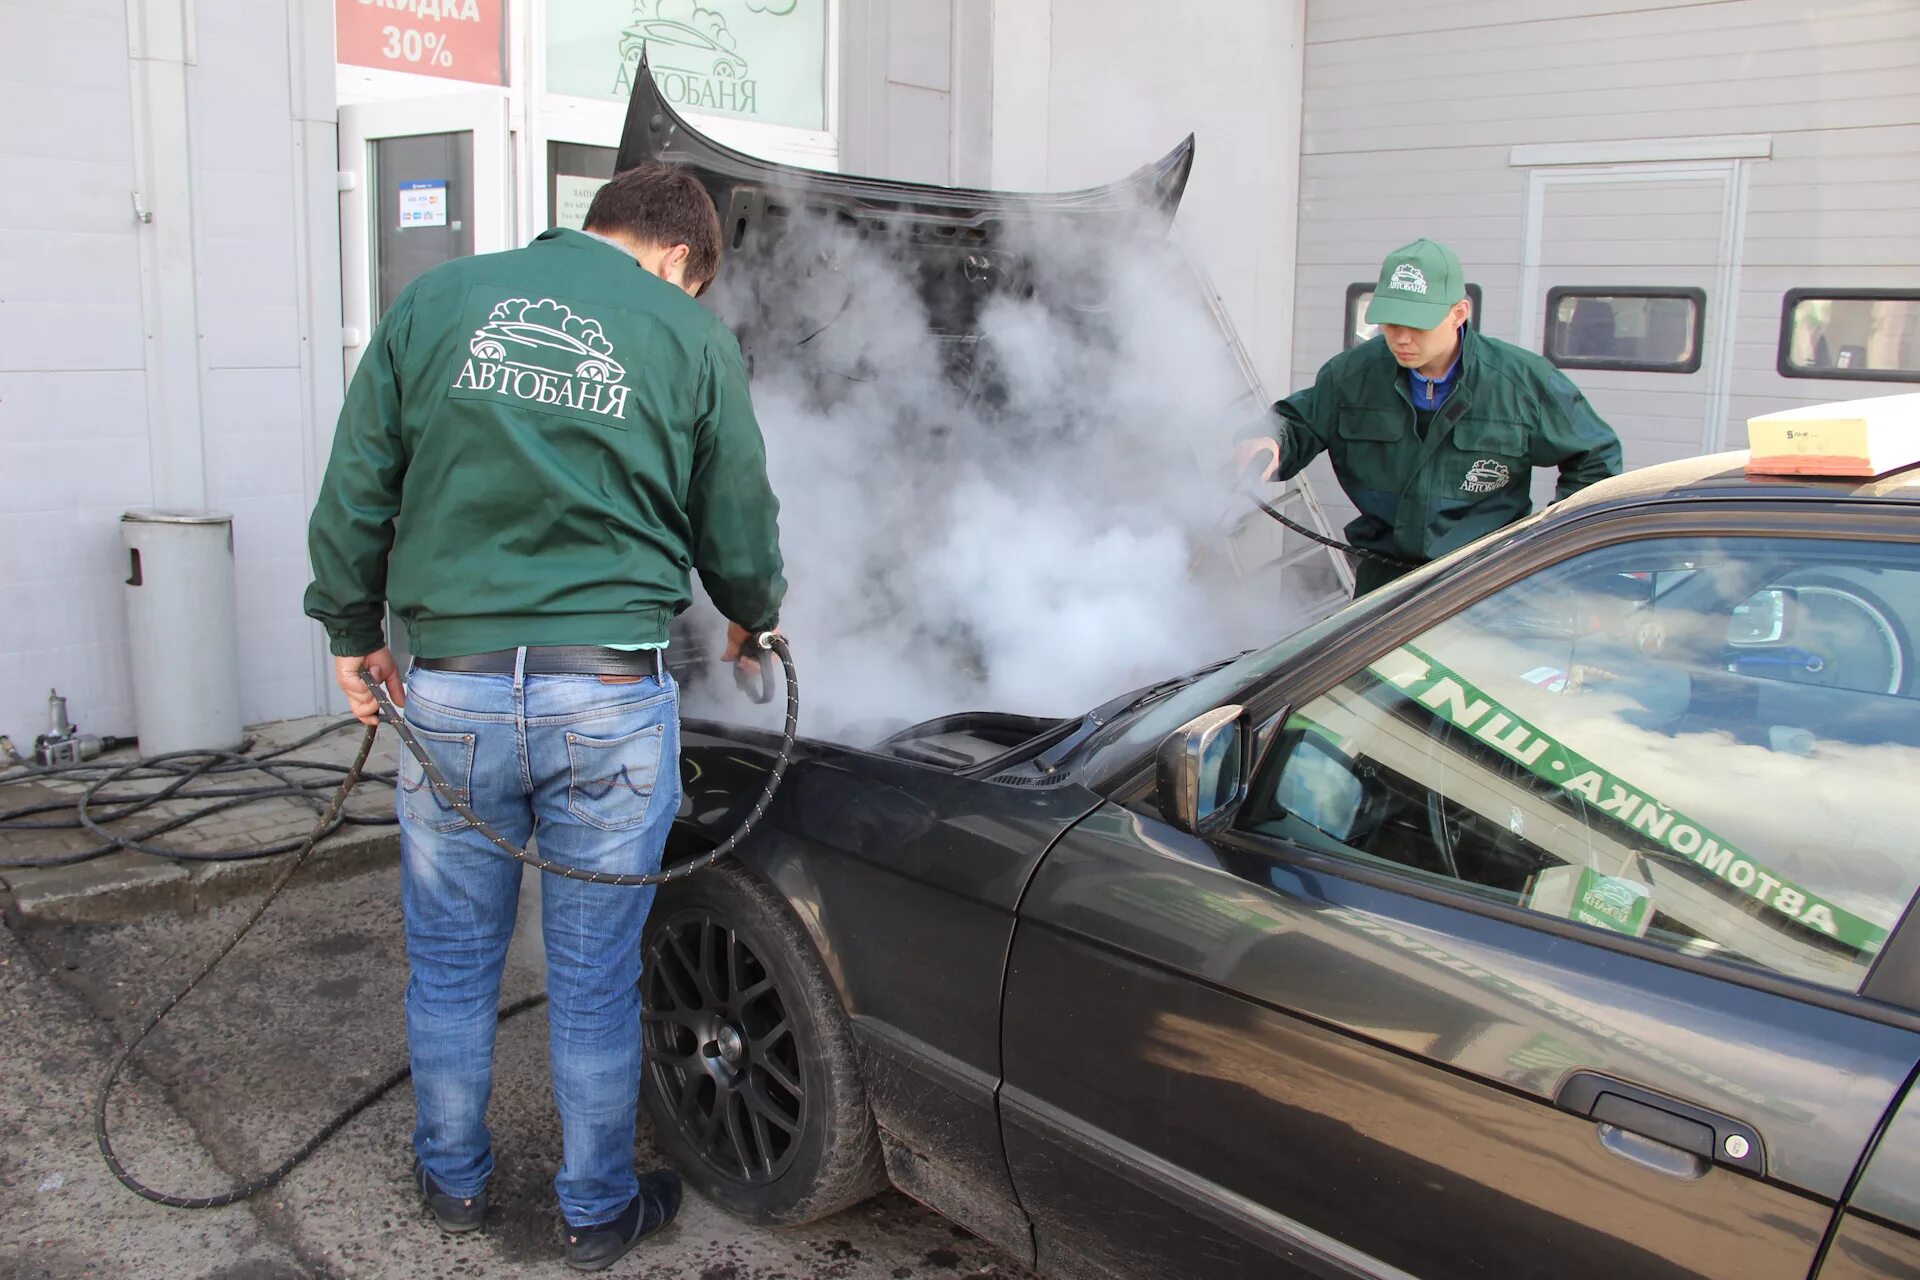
760	60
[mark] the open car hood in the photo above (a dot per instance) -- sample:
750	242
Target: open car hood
962	240
918	355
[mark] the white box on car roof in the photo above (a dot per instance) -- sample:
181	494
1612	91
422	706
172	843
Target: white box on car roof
1850	438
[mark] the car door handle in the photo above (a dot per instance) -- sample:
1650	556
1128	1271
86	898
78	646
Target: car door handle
1705	1134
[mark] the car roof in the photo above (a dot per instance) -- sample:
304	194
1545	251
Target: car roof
1721	476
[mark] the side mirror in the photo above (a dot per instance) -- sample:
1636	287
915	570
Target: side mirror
1768	617
1200	770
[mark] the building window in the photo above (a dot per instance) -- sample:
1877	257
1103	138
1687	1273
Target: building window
1360	293
1862	334
758	60
575	174
1642	330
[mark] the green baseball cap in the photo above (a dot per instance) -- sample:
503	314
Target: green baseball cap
1419	283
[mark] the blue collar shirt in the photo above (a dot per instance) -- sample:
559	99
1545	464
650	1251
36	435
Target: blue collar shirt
1431	393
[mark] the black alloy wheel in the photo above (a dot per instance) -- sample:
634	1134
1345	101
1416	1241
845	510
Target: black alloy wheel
719	1042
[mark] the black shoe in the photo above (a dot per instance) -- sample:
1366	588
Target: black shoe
598	1247
454	1214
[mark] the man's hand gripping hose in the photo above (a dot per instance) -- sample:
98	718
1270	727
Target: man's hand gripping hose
767	641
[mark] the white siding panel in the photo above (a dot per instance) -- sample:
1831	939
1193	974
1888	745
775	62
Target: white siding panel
71	302
1387	234
73	397
1626	201
1367	19
253	403
1429	164
1833	253
1847	102
1651	46
1893	202
920	43
1344	195
1411	113
75	443
1791	148
94	198
918	137
1447	27
1897	234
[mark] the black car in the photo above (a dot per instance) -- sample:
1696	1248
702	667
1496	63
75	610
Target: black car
1538	915
1541	914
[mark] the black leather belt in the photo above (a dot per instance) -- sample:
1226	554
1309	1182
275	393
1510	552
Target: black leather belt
556	660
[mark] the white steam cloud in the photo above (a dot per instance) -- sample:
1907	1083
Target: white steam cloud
1002	519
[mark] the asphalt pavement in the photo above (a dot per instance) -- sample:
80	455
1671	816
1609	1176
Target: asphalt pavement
298	1021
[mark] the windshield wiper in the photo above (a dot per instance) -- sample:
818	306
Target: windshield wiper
1100	717
1050	760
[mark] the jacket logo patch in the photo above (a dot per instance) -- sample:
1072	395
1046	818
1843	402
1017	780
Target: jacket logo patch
1409	277
1485	476
542	352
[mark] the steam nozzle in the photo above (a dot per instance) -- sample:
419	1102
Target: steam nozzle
1253	473
750	677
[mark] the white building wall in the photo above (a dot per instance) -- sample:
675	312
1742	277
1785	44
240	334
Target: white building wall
158	362
1412	114
1086	91
914	89
252	338
1836	208
73	390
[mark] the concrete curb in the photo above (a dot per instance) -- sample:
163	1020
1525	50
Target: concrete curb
132	886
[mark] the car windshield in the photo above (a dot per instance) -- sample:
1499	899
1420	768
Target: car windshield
1688	740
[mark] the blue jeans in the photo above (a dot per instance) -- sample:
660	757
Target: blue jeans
594	769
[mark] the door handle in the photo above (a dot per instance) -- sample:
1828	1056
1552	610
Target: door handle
1653	1154
1655	1116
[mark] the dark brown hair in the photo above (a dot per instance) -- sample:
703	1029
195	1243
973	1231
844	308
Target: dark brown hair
662	204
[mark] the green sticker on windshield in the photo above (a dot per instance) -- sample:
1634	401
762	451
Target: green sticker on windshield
1610	902
1457	701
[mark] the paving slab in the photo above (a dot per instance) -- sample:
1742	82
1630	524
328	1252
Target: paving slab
61	1213
301	1018
119	886
127	885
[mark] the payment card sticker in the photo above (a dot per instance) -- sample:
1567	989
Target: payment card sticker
423	204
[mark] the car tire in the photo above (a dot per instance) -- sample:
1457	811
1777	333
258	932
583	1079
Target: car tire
749	1069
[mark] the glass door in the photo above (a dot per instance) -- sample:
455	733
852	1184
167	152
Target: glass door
426	180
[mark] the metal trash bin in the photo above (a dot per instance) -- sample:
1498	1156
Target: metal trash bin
182	630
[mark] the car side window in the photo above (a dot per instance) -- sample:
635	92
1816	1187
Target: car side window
1711	744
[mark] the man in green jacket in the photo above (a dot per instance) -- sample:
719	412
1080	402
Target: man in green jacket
1434	429
536	450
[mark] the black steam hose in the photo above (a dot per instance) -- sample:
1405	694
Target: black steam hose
330	820
446	792
185	793
1314	535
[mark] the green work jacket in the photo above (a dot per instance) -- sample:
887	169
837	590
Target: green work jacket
538	448
1420	497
